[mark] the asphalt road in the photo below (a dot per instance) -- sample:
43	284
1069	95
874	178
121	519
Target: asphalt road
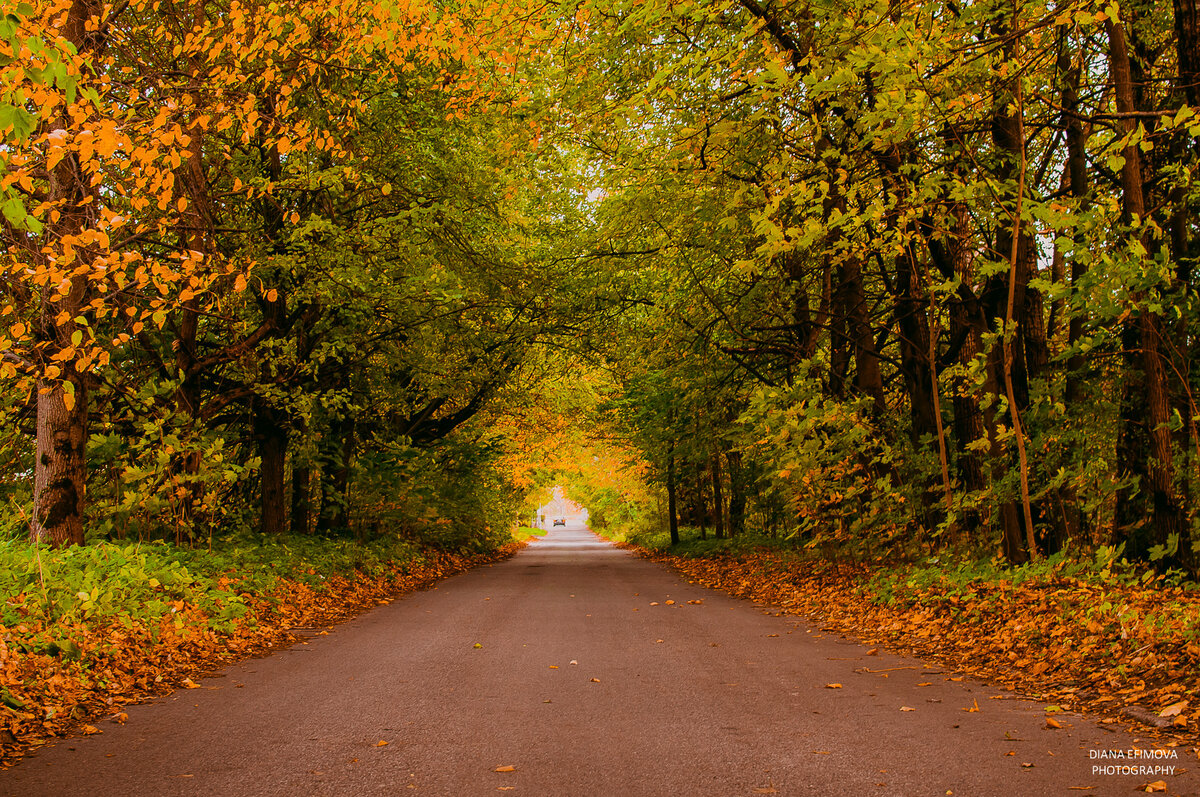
568	664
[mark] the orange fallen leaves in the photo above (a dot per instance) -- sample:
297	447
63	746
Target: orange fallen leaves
43	696
505	768
1083	645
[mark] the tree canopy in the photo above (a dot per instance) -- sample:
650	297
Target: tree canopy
903	276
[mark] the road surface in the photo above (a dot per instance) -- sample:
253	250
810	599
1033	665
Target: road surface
570	665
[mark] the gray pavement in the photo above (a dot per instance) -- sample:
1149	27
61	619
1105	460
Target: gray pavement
558	664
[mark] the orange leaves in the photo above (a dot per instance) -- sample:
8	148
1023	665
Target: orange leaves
1084	644
127	661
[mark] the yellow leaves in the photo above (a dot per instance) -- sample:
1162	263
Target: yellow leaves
381	743
188	683
240	284
505	768
833	686
1053	724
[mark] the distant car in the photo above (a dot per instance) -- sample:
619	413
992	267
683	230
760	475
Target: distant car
560	521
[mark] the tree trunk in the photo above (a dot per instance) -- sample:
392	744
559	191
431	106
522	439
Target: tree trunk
1187	48
672	517
1008	294
868	379
737	494
335	481
60	465
1166	508
718	503
1077	183
301	498
272	450
60	475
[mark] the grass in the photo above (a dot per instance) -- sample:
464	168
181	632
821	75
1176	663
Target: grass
525	532
91	627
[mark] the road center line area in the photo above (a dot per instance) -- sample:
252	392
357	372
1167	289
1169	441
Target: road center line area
577	668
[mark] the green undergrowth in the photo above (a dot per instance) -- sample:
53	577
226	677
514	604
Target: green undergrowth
139	582
692	546
897	579
525	533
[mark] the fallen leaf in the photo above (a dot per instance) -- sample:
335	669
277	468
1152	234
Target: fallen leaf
670	603
505	788
873	652
188	683
1174	709
653	603
573	661
658	640
1157	785
907	708
505	768
88	730
554	666
595	680
974	707
477	645
772	635
381	743
833	686
121	718
1052	723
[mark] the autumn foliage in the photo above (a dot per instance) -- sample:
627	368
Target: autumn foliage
1125	650
71	672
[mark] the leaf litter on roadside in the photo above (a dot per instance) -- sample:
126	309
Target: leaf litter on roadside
1099	647
97	665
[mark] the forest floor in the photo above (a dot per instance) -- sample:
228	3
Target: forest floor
1127	651
62	670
